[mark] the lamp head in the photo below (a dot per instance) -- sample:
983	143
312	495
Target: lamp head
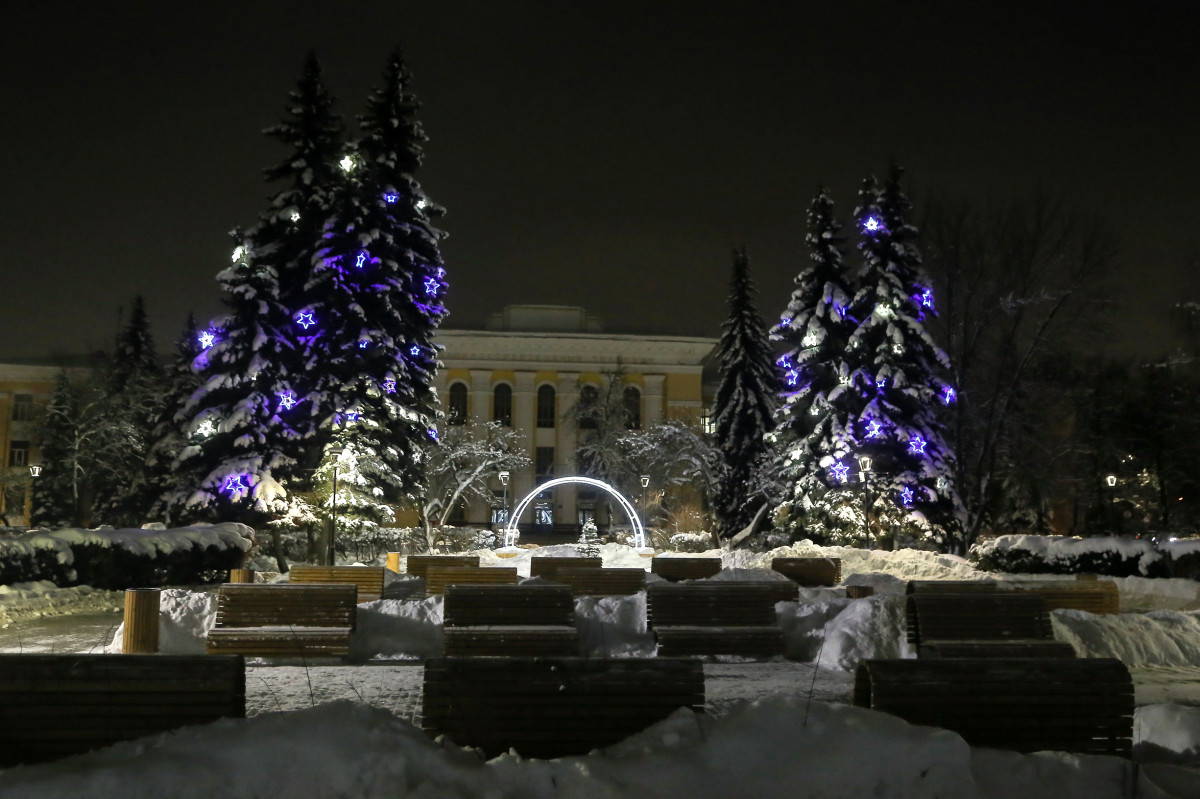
864	463
503	478
1111	480
645	480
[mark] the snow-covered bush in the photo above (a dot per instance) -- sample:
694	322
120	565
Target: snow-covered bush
1051	554
691	542
589	541
463	539
1183	557
129	558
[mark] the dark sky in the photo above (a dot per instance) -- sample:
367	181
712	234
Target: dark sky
599	154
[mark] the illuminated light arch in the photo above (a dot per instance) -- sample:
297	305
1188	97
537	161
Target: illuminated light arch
639	532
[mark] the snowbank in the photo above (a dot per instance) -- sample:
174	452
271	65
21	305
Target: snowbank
139	541
1157	638
905	564
21	601
1161	593
1167	734
776	747
398	629
1112	555
841	632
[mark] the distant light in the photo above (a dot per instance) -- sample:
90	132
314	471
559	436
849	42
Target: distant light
206	339
421	203
390	198
433	433
881	384
942	483
35	470
1111	480
352	416
305	319
238	252
346	163
360	260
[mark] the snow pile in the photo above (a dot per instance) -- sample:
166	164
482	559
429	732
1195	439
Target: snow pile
1161	593
184	619
1157	638
614	626
906	564
21	601
612	556
1167	734
779	746
842	631
398	629
227	535
1064	554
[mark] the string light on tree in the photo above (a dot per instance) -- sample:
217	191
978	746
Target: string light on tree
916	445
360	259
839	471
389	386
874	428
873	225
431	286
346	164
390	198
927	298
433	433
881	384
206	428
906	496
792	377
295	216
414	350
948	395
206	338
287	400
238	252
234	484
305	319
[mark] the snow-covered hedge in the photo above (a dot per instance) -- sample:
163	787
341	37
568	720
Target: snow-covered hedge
118	559
1054	554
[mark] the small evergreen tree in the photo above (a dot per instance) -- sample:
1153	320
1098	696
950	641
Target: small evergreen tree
167	437
589	540
744	404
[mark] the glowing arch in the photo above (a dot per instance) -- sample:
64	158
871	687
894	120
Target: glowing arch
639	532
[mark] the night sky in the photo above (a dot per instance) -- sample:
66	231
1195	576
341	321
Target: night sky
608	155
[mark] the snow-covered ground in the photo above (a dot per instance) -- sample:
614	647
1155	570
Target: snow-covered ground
348	731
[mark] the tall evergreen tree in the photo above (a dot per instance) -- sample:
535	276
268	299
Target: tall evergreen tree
898	390
167	437
814	428
376	298
743	407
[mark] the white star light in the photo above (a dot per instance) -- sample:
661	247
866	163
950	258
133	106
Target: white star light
390	198
346	163
207	339
840	470
360	260
286	401
389	386
305	319
906	495
295	216
206	428
916	445
238	252
874	428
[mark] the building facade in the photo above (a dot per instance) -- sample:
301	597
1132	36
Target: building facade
529	367
25	391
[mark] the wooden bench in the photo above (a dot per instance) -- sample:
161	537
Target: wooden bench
974	622
284	620
951	587
499	620
676	569
718	618
1097	596
369	579
59	705
602	582
438	577
419	564
810	572
1076	705
554	707
546	566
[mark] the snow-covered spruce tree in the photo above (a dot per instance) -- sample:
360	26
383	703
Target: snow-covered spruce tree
372	306
896	389
589	541
167	436
241	443
743	408
813	426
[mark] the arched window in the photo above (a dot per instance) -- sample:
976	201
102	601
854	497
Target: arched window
589	407
633	408
502	404
545	406
457	407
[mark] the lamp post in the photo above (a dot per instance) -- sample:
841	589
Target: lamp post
503	475
645	513
1111	480
864	474
336	454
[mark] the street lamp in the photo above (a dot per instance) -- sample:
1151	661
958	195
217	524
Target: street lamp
35	470
645	514
336	454
1112	502
864	474
504	482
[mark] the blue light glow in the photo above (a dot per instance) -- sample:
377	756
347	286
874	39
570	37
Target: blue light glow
881	384
414	350
840	470
792	377
233	484
906	495
784	361
362	345
352	416
360	260
433	433
389	386
287	400
431	286
916	445
206	339
390	198
948	395
873	224
874	428
927	298
305	319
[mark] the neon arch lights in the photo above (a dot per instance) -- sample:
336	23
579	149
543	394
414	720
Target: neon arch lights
639	532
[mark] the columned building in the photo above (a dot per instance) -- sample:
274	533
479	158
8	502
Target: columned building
529	367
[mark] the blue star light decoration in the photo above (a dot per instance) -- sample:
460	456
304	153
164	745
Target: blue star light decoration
792	377
906	496
873	224
287	401
840	470
206	339
414	350
305	319
431	286
433	433
390	197
352	416
362	345
389	386
927	298
916	445
948	395
874	428
360	259
881	384
234	484
784	361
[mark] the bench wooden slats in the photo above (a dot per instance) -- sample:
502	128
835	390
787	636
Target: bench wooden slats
602	582
510	641
369	579
977	617
419	564
1096	596
995	649
284	619
546	566
951	587
505	620
53	706
676	569
751	642
718	618
810	572
1073	705
554	707
438	577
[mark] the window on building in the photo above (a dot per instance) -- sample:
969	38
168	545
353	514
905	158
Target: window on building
544	463
458	514
589	407
22	407
499	511
545	406
502	405
633	408
18	453
543	514
458	404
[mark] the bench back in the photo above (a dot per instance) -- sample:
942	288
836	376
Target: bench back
810	572
480	605
716	604
286	605
551	707
675	569
602	582
545	566
419	564
977	617
1096	596
60	705
369	579
951	587
1073	705
438	577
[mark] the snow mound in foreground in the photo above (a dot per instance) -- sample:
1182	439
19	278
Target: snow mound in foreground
779	746
906	564
1157	638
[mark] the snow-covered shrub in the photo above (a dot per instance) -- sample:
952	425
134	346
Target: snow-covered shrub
1183	557
464	539
589	541
1049	554
691	542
